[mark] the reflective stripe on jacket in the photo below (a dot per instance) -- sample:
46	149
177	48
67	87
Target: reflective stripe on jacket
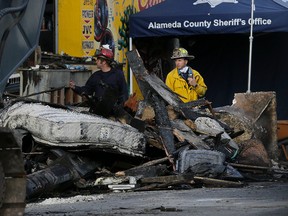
188	93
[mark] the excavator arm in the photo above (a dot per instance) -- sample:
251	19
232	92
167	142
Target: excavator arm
20	23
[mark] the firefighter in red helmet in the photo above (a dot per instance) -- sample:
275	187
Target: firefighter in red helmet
105	88
105	53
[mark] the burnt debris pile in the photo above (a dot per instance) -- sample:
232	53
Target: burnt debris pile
153	144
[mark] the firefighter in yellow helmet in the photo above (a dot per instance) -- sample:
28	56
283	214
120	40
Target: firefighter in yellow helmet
186	82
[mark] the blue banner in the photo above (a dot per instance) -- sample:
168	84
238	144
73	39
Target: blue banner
194	17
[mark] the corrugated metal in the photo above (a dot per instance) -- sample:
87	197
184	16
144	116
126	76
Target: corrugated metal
35	81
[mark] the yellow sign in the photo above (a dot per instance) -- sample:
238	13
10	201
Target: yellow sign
85	25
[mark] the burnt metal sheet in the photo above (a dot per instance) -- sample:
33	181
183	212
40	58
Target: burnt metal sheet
255	113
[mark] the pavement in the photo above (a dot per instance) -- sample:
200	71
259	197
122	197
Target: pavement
257	198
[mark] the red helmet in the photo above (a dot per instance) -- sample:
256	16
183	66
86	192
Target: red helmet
104	53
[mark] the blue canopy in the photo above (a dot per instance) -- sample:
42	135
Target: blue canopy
192	17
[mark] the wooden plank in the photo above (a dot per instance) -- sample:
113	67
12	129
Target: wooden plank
217	182
191	138
152	137
184	133
149	171
163	122
145	111
150	82
154	183
68	96
61	96
180	125
167	179
153	162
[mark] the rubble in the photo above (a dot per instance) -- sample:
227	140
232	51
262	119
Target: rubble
162	143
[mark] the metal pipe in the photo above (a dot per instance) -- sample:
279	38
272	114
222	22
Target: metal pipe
56	26
130	70
250	46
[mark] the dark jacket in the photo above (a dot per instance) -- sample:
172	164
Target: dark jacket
99	82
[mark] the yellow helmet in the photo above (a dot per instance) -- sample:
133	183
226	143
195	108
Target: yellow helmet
181	53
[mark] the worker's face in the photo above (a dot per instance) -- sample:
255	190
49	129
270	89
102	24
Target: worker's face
180	63
99	62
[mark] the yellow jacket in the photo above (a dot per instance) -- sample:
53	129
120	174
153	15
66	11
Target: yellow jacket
188	93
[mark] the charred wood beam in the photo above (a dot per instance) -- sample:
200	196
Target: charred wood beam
168	179
217	182
164	124
185	134
153	139
191	138
153	162
259	169
157	186
249	166
121	113
139	72
152	82
165	181
196	103
191	114
235	134
154	183
149	171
